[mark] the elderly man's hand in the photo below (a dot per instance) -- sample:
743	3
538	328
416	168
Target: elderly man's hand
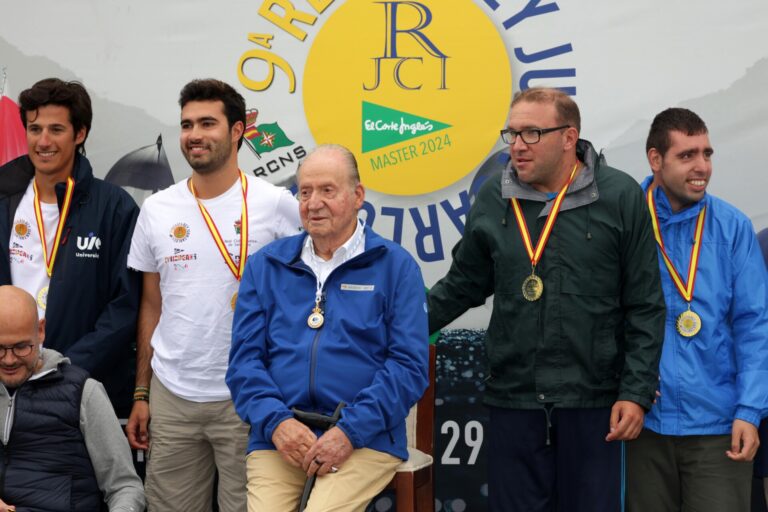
744	441
6	508
328	453
293	439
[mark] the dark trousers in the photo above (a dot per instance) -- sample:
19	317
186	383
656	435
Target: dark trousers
553	460
685	474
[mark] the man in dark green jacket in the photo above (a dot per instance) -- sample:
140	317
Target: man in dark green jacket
564	243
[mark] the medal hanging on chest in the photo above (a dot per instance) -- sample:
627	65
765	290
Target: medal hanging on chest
688	323
42	298
533	286
236	269
316	318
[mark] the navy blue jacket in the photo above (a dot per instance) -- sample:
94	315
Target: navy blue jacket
93	298
45	465
371	352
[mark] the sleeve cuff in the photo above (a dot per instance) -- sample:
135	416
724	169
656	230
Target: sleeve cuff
748	414
643	401
353	438
269	428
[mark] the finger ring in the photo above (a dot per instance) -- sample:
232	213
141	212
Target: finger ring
319	463
334	469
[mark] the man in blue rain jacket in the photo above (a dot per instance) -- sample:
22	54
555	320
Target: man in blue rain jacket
701	435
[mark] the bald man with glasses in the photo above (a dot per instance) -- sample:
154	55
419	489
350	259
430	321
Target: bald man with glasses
63	448
564	244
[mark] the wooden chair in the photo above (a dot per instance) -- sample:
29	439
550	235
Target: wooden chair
414	483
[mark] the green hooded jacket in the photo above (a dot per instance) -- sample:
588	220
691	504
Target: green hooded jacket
595	335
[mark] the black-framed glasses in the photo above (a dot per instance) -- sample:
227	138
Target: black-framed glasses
19	350
529	135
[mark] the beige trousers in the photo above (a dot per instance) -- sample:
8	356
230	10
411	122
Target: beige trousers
189	441
274	485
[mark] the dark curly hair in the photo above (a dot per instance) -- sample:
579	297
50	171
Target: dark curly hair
53	91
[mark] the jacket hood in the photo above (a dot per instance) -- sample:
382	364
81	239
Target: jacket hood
18	172
51	361
16	175
582	191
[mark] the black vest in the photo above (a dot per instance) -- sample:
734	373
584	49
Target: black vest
45	465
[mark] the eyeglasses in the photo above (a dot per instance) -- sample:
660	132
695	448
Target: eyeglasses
529	135
20	350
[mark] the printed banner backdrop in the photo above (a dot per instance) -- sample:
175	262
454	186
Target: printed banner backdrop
418	90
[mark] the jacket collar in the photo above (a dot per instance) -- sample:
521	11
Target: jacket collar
582	191
664	210
289	252
19	172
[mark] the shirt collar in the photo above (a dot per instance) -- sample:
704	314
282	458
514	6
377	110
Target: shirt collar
347	248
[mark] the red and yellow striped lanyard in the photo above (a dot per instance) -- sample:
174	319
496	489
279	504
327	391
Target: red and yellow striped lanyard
535	254
50	258
236	269
685	289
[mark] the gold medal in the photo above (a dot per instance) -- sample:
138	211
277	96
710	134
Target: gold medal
688	323
316	319
533	287
42	298
233	301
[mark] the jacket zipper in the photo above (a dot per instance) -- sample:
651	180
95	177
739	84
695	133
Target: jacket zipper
316	338
8	420
312	364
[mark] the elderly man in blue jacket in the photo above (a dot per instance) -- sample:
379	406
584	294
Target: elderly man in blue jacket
700	437
335	315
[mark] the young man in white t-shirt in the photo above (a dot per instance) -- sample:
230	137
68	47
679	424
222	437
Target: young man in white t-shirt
191	242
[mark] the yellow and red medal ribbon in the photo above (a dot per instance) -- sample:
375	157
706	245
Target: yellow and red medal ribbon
236	269
50	259
535	255
686	290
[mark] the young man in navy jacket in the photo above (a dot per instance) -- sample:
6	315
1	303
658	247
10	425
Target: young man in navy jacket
64	238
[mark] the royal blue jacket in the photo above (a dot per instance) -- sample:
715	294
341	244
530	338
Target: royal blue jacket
721	373
370	353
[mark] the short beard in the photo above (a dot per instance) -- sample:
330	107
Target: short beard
204	168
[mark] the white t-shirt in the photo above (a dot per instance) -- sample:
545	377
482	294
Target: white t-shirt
192	340
26	250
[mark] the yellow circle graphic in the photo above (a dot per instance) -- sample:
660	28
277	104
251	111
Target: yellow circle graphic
22	230
418	90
